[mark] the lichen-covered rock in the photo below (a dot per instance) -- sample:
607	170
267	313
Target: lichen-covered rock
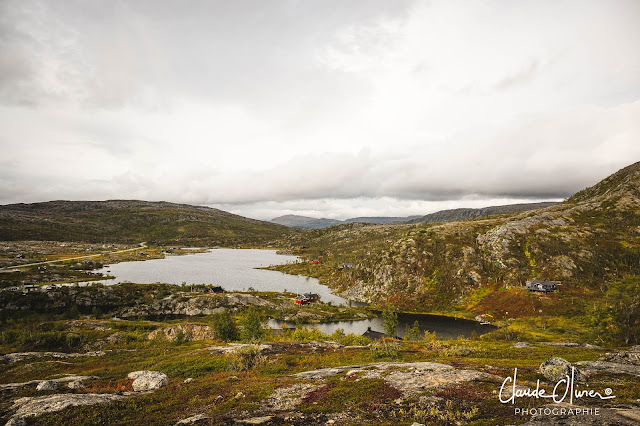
555	369
288	398
592	367
21	356
35	406
188	331
194	420
16	421
410	378
622	357
234	347
76	384
190	305
47	385
146	380
13	386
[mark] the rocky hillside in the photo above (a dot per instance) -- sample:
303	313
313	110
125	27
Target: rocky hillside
464	214
130	221
590	243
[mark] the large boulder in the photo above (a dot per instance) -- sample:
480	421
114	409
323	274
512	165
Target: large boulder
555	369
146	380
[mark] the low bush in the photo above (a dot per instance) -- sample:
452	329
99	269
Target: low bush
246	358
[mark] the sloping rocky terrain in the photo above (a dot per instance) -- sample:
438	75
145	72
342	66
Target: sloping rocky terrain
590	244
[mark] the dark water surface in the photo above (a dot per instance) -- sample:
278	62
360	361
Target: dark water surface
444	327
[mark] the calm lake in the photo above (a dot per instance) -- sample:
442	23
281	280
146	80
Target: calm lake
233	269
444	327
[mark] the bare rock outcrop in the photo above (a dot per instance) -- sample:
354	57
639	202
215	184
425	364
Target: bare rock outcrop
47	385
188	305
21	356
67	379
198	419
233	348
35	406
410	378
593	367
622	357
191	331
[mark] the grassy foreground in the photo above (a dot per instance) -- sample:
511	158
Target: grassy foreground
240	384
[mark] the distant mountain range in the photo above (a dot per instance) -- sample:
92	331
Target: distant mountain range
295	221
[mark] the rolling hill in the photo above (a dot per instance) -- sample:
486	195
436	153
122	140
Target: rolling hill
131	221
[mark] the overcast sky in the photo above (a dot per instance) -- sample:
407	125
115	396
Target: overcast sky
323	108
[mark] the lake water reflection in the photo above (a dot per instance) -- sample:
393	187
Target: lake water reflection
233	269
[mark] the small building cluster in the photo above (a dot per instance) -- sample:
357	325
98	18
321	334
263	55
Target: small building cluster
306	298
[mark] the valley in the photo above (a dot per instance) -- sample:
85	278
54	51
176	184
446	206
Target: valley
200	353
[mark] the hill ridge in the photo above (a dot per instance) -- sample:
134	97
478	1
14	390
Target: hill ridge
130	220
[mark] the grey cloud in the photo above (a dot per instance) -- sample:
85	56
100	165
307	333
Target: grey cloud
107	53
310	106
523	76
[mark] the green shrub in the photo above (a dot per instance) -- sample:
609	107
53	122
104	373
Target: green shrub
384	349
246	358
224	327
253	325
73	312
10	337
390	323
181	337
430	337
74	341
305	335
412	333
96	312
